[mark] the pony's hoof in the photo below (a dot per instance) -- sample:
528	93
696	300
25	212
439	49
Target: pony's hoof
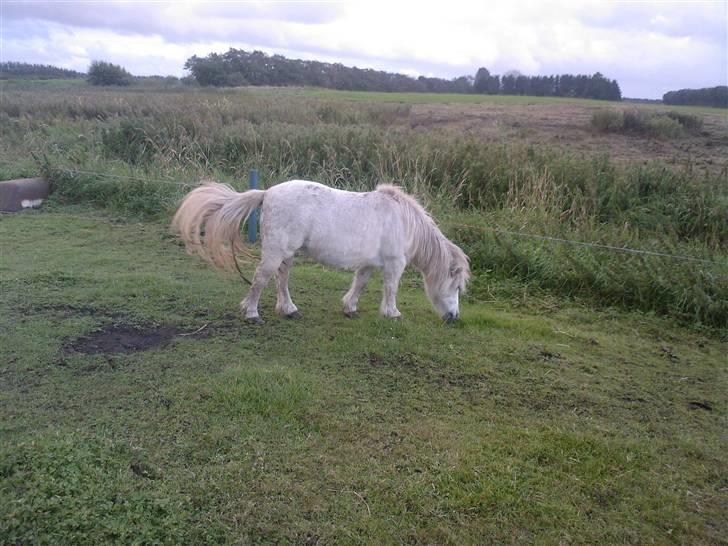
351	314
295	315
254	320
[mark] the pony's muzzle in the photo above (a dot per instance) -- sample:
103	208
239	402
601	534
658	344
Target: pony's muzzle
451	317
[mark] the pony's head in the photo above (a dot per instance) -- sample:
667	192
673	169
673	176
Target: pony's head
443	264
444	285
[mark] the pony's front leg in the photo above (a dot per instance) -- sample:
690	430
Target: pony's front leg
284	304
391	274
249	306
351	298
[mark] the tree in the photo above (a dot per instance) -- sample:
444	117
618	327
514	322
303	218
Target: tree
508	82
238	67
208	71
13	70
103	73
484	82
482	79
707	96
523	85
493	87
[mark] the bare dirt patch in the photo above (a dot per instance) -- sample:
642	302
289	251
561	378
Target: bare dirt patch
118	337
568	127
705	406
122	338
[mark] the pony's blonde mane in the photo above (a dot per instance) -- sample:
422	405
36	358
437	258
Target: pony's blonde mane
432	253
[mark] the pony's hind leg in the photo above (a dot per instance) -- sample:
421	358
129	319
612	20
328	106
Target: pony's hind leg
265	270
351	298
284	304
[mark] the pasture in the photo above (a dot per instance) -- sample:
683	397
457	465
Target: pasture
581	398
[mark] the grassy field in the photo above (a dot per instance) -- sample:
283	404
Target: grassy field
447	98
21	84
81	86
581	399
542	169
460	98
534	420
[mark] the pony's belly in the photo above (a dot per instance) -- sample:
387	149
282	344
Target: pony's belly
348	261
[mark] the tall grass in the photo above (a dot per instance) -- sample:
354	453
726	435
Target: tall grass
168	140
647	123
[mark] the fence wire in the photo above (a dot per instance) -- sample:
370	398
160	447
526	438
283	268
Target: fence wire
599	246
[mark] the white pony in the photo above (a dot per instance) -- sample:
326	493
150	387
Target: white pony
384	229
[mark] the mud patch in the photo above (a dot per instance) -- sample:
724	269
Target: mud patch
697	405
122	338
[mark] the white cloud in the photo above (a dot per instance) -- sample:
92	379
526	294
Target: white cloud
649	47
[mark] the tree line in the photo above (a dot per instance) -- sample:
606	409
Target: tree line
707	96
237	67
564	85
13	69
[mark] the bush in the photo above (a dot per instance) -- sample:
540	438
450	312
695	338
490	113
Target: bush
128	142
646	123
103	73
662	126
608	121
690	122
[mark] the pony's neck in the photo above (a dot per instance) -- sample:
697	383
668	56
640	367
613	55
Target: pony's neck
429	248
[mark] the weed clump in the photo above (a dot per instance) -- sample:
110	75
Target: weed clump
645	123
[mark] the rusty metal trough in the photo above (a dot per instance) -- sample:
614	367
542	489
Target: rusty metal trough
23	193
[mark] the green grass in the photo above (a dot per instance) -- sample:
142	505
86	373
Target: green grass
167	141
461	98
438	98
59	84
534	420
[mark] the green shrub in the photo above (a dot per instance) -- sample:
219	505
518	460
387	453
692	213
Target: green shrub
608	121
103	73
691	123
662	126
128	141
646	123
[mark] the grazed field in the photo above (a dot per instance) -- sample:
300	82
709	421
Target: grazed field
136	406
548	122
566	126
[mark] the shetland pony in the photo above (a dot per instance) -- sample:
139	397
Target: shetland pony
384	229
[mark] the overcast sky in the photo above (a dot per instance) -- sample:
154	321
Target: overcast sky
649	47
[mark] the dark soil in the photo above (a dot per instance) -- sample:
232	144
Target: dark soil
122	338
700	405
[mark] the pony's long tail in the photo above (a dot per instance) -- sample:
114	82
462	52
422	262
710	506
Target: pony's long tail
209	219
